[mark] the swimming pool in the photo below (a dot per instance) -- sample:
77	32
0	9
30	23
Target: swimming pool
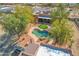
52	51
40	33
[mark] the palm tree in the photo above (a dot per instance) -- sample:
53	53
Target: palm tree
60	27
60	12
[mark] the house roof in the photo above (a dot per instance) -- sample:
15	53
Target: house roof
74	14
31	49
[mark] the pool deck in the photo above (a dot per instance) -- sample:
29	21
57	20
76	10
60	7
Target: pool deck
32	35
36	39
24	40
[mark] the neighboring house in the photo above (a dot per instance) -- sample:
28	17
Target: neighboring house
74	14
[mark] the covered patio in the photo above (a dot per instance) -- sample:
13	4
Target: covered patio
30	50
44	19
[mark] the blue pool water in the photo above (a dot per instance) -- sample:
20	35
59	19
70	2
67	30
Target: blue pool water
52	51
40	33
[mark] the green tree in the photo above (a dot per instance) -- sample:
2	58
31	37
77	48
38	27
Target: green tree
17	22
14	25
62	32
59	13
60	27
25	11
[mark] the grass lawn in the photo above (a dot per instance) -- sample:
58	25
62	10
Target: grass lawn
43	26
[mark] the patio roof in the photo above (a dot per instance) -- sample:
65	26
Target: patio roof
44	17
31	49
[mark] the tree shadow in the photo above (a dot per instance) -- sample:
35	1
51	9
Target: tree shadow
3	37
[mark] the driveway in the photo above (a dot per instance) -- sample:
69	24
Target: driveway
75	49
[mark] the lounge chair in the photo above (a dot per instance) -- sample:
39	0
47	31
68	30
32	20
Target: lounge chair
50	42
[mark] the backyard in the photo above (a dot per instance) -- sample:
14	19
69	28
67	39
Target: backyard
54	35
